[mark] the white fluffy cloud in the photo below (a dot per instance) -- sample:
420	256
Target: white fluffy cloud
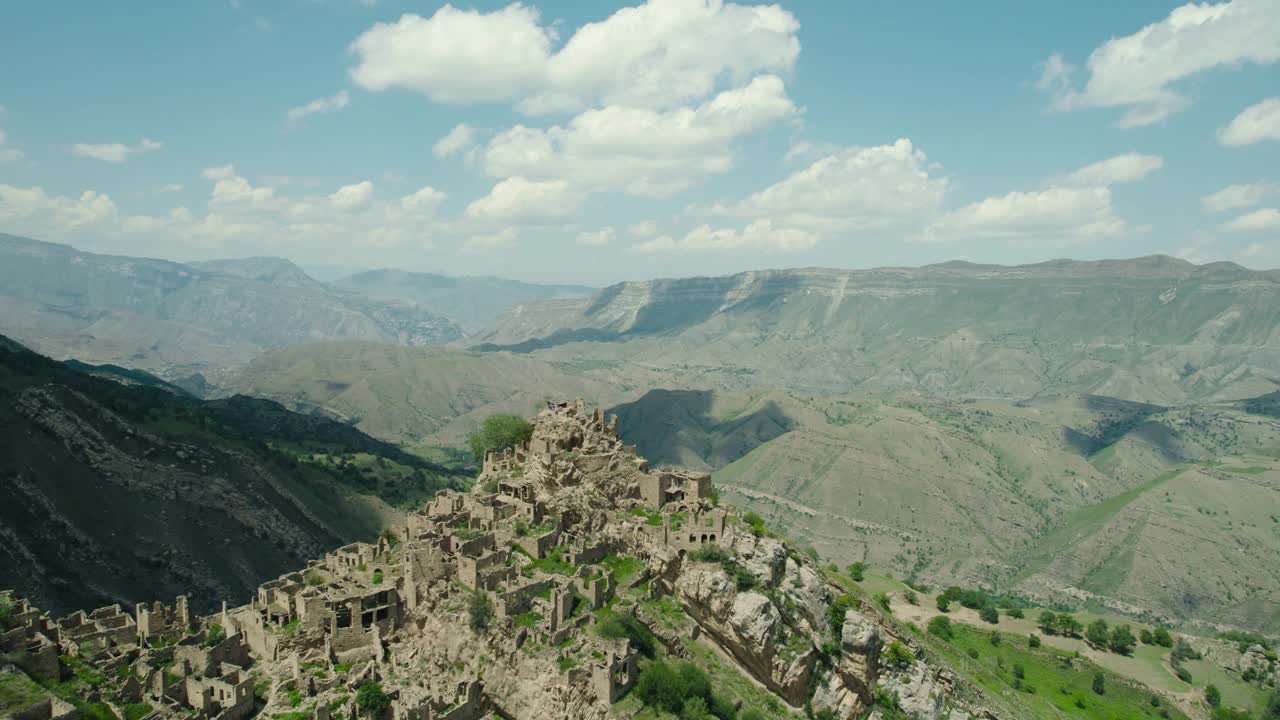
521	201
1058	215
320	106
33	206
759	235
455	56
240	220
1138	72
114	152
641	151
1129	167
1255	124
597	238
352	198
1256	221
1235	197
460	138
659	55
855	189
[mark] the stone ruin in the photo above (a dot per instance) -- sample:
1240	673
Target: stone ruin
528	539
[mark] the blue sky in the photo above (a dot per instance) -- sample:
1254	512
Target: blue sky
596	142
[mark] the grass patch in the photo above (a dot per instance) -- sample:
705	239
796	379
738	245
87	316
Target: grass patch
1046	683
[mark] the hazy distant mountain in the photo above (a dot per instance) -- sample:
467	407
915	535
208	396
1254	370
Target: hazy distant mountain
270	270
1155	329
179	318
473	302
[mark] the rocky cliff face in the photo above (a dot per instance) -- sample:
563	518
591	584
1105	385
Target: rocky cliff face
1154	329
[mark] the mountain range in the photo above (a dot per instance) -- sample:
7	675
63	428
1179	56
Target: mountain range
178	319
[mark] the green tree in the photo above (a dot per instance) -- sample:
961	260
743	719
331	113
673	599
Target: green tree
988	613
944	603
1048	622
940	626
1146	637
1033	641
498	432
1122	640
1097	633
1212	695
480	611
857	570
1014	612
371	700
1068	625
1099	684
1161	637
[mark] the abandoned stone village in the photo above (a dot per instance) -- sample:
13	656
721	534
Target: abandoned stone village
556	535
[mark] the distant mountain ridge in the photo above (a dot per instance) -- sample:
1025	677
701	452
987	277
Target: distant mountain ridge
473	302
1154	329
182	318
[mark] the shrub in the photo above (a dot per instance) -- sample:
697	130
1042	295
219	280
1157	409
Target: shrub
1099	684
1014	613
836	613
1182	650
995	637
898	656
1212	695
973	653
371	700
812	552
882	600
627	626
910	597
944	604
1161	637
1033	641
940	626
377	576
989	614
857	570
6	612
682	688
1146	637
498	432
480	611
756	523
215	635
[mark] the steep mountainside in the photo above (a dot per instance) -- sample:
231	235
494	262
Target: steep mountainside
416	396
1151	329
573	581
905	483
472	302
177	319
113	492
